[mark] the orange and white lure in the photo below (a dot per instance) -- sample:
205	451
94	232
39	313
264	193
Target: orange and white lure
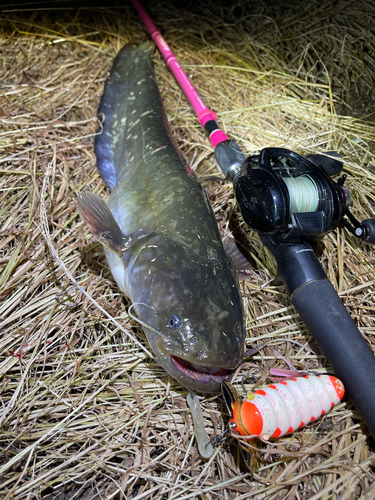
281	408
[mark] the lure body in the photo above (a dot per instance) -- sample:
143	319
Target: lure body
281	408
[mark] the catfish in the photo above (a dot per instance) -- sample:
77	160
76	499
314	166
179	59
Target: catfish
159	233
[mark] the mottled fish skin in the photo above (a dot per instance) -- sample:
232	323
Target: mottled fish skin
176	263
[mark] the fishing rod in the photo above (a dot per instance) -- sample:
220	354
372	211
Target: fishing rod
291	201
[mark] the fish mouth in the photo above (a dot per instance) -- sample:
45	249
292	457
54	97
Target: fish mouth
198	378
200	373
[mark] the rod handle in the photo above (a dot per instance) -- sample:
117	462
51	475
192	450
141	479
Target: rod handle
352	360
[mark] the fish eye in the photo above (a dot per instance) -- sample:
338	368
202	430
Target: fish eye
173	321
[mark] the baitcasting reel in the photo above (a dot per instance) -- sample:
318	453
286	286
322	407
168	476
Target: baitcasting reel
286	195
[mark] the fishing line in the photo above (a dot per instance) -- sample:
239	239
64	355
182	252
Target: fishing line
269	343
303	194
249	353
293	342
44	229
161	334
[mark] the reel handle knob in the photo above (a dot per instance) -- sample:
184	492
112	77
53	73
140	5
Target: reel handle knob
366	230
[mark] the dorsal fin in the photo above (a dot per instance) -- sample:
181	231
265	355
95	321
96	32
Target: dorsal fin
95	212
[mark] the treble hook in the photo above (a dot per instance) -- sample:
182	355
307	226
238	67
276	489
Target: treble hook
219	439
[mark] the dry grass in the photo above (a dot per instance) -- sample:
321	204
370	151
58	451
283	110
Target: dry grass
85	412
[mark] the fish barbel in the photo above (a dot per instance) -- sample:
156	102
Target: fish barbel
159	233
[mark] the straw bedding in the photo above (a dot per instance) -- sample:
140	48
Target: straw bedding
85	412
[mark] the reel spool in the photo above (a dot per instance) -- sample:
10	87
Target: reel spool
281	192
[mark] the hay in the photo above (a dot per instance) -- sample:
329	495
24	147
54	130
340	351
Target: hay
85	412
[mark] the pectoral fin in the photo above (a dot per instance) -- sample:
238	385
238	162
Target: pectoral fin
95	212
243	266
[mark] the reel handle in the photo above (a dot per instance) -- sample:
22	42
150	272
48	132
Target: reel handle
326	317
366	230
330	161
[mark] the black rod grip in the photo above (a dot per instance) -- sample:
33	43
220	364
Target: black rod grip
346	350
297	263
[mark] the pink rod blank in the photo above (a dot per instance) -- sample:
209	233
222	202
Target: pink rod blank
201	110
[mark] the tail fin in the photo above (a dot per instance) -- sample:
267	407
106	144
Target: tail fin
112	109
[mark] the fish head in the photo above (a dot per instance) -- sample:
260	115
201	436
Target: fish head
194	303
